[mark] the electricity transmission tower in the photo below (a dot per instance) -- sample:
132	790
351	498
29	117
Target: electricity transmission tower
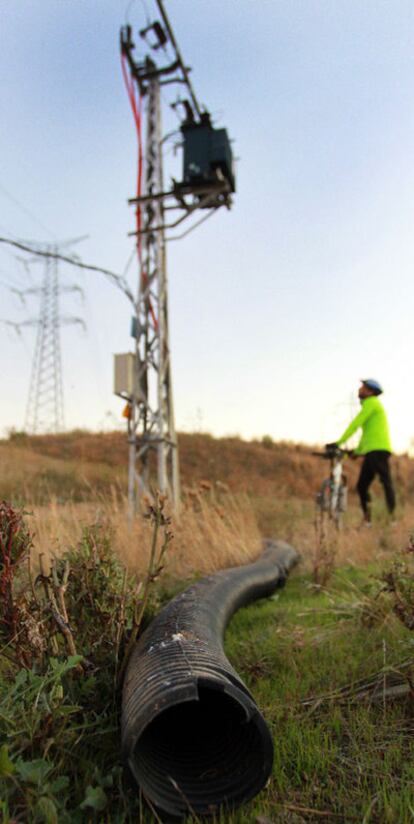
144	379
45	400
45	403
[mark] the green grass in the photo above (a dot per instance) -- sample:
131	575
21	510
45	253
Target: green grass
349	758
336	758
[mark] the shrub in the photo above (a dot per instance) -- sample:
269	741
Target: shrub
65	639
267	441
399	584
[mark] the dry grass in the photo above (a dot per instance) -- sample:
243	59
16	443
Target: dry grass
293	520
361	546
29	476
214	530
79	478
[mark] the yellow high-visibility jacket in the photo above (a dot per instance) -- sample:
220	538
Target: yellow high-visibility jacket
375	432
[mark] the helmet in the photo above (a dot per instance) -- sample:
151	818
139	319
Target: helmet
374	385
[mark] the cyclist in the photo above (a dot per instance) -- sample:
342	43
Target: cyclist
374	446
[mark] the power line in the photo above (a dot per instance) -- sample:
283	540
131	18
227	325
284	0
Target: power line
129	262
17	275
118	280
129	7
26	211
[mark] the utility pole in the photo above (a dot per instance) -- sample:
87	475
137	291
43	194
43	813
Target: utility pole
144	378
151	422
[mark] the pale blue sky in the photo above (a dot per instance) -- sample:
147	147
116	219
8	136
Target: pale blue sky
278	306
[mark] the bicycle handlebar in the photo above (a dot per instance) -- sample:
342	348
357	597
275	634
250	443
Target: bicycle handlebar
336	452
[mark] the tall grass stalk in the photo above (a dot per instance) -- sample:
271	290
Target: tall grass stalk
214	530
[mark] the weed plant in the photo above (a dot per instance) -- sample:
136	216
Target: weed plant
399	584
65	637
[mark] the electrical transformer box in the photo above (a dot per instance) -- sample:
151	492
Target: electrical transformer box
221	155
125	382
205	150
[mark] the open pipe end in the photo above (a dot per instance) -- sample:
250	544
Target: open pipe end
202	755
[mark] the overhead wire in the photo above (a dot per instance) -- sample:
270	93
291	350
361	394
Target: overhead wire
129	262
13	290
15	278
117	279
129	7
11	278
26	211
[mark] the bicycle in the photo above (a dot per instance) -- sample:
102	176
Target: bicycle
332	497
331	503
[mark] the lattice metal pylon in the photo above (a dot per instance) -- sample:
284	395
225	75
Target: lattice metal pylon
151	422
45	412
208	183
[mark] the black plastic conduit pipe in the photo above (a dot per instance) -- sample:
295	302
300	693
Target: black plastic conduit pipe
192	734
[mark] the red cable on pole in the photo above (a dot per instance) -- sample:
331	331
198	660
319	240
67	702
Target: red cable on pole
136	106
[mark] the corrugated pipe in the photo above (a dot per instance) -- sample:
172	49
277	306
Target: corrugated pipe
192	734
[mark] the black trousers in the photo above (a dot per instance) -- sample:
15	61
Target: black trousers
375	463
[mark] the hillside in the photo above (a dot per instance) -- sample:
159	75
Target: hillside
75	464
